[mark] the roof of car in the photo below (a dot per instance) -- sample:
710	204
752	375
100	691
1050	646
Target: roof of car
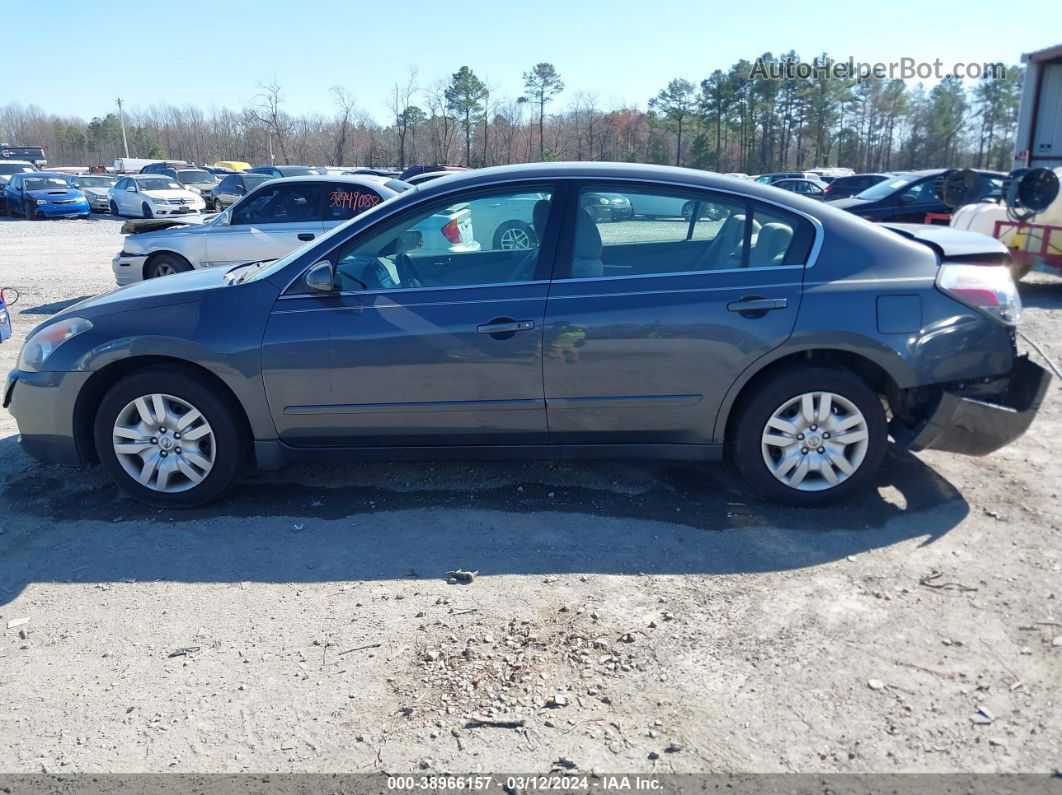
599	170
353	179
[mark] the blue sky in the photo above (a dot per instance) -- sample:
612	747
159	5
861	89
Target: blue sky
622	50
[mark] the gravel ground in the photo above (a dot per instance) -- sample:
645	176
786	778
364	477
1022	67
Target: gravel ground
626	617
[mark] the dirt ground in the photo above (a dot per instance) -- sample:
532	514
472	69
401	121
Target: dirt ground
626	617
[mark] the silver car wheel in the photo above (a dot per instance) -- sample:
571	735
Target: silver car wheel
164	443
815	441
515	238
164	269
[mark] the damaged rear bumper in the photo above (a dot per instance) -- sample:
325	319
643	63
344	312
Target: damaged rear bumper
979	425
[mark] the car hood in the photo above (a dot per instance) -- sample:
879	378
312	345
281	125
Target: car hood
952	244
170	194
179	224
56	194
178	288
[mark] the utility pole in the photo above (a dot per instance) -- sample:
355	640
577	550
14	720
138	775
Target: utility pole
121	118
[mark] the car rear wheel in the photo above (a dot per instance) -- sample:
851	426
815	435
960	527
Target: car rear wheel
514	235
146	210
166	439
166	265
810	435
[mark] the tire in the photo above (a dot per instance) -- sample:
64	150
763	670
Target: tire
180	393
1019	270
165	265
851	399
30	212
114	210
145	208
514	236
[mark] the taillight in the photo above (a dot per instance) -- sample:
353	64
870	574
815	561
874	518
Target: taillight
989	288
452	231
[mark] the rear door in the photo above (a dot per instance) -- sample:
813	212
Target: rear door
649	322
273	221
344	200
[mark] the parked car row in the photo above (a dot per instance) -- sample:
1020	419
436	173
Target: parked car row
341	318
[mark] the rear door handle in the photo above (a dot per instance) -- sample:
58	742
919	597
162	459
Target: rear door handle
505	326
757	306
305	235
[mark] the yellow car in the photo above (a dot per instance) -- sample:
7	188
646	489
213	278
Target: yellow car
235	165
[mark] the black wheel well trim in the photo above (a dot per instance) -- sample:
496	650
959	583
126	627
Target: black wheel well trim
165	251
91	394
881	378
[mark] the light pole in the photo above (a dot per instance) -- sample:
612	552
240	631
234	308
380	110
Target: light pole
121	119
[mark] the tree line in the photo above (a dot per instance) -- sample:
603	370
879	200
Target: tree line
730	121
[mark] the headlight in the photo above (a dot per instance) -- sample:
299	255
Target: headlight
602	200
41	345
41	201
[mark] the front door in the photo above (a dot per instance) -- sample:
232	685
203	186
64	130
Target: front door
432	336
275	220
649	321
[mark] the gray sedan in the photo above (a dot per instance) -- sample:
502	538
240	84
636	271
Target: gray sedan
790	336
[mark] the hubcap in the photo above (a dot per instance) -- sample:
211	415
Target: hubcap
815	441
164	443
164	269
515	238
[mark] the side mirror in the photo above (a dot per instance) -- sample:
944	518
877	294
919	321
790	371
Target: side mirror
319	278
907	198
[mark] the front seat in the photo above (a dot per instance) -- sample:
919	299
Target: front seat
586	253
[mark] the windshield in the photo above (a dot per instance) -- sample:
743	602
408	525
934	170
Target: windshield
158	183
297	171
265	271
95	182
15	168
884	188
254	180
195	177
46	183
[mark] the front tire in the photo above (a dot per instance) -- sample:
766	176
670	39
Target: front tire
167	439
146	210
166	265
810	435
114	210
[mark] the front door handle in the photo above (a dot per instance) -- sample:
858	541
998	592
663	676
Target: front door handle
756	305
305	235
504	326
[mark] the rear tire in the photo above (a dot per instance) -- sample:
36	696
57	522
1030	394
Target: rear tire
839	451
514	236
213	456
166	265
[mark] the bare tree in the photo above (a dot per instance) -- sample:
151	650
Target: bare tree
265	109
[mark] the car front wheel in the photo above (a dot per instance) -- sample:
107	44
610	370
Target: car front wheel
146	210
810	435
114	210
167	439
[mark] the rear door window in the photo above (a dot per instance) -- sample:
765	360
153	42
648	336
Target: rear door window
344	201
635	231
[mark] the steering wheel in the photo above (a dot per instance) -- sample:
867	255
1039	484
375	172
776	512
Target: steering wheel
407	271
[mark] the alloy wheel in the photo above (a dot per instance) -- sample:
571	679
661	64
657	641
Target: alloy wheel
515	238
815	441
164	443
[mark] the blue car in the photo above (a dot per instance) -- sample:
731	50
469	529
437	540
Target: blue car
41	194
